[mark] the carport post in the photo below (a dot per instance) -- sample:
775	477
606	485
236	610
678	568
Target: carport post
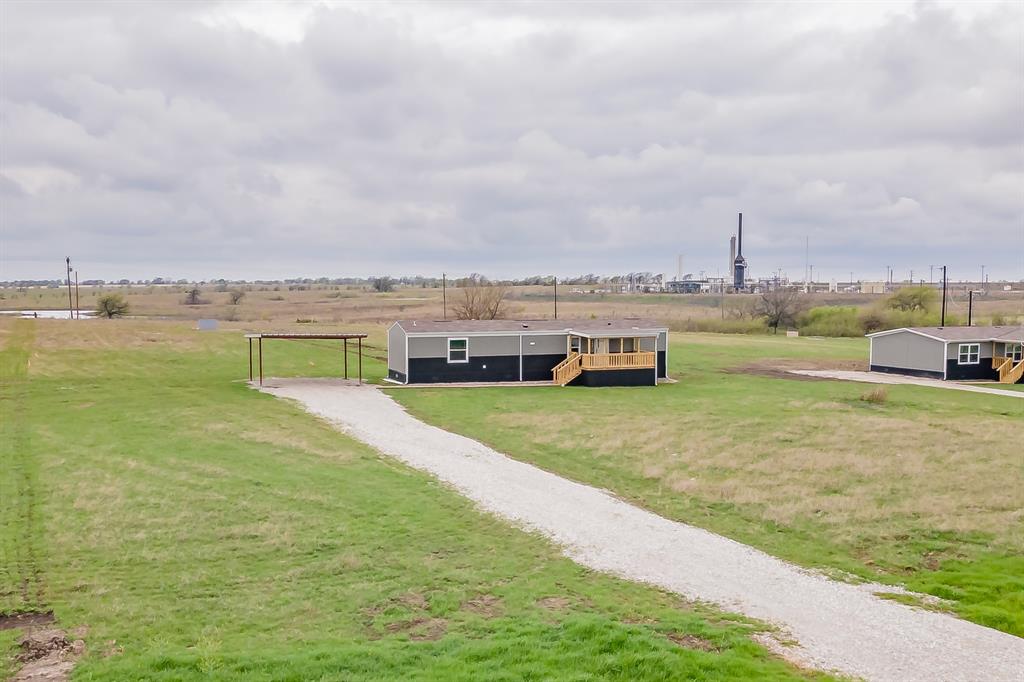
250	358
344	343
260	344
360	340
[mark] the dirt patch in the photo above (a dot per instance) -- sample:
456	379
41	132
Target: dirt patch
47	654
420	629
30	619
486	605
554	603
414	600
781	368
688	641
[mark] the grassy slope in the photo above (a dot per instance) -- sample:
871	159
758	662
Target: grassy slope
199	529
924	490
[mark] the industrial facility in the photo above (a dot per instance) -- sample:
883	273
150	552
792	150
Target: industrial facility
735	281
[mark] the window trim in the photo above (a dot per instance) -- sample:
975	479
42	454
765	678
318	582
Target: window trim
464	339
1017	352
961	353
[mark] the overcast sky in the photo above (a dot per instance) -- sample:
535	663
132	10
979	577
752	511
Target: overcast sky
334	139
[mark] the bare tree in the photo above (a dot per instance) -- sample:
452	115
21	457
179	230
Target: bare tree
235	297
383	284
779	307
481	301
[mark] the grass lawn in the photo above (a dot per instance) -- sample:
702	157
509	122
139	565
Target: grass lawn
924	489
198	529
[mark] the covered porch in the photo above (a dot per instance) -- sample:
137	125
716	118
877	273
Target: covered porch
588	352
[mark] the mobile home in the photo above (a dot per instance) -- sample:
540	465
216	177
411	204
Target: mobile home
610	352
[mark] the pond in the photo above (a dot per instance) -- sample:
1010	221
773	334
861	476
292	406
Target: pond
46	314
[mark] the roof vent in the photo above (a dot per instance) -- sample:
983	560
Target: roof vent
414	323
526	326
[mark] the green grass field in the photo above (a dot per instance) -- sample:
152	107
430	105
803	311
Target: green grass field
923	489
200	530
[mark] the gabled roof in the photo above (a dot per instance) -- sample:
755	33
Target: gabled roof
945	334
624	326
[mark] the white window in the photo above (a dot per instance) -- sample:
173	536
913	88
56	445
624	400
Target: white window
969	354
458	350
1015	351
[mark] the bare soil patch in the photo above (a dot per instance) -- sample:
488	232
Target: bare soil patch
781	368
486	605
47	654
688	641
29	619
420	629
554	603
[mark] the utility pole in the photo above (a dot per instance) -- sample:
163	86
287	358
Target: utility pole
807	264
970	307
943	322
71	306
78	301
983	277
444	296
911	276
556	297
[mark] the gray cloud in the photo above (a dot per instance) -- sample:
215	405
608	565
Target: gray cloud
510	138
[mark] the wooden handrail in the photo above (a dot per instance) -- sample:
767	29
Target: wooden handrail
1010	373
641	360
1003	368
567	369
998	360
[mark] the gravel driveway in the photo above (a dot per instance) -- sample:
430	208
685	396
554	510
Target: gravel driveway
838	627
880	378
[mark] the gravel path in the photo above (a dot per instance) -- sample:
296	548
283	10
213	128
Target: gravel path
879	378
839	627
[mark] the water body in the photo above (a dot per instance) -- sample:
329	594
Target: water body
46	314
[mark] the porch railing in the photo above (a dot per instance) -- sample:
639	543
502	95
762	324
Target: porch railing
641	360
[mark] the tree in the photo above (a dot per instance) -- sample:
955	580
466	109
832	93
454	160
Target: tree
111	306
383	284
481	301
235	297
779	307
192	297
912	299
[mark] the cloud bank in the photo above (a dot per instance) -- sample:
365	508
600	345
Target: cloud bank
267	140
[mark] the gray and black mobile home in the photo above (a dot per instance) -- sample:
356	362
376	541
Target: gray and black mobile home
620	352
953	353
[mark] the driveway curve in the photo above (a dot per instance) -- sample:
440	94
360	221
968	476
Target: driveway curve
837	626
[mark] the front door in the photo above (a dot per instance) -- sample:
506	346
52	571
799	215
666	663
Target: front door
574	344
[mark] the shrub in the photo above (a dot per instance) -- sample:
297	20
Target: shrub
713	325
871	321
382	284
111	306
192	297
831	321
876	396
